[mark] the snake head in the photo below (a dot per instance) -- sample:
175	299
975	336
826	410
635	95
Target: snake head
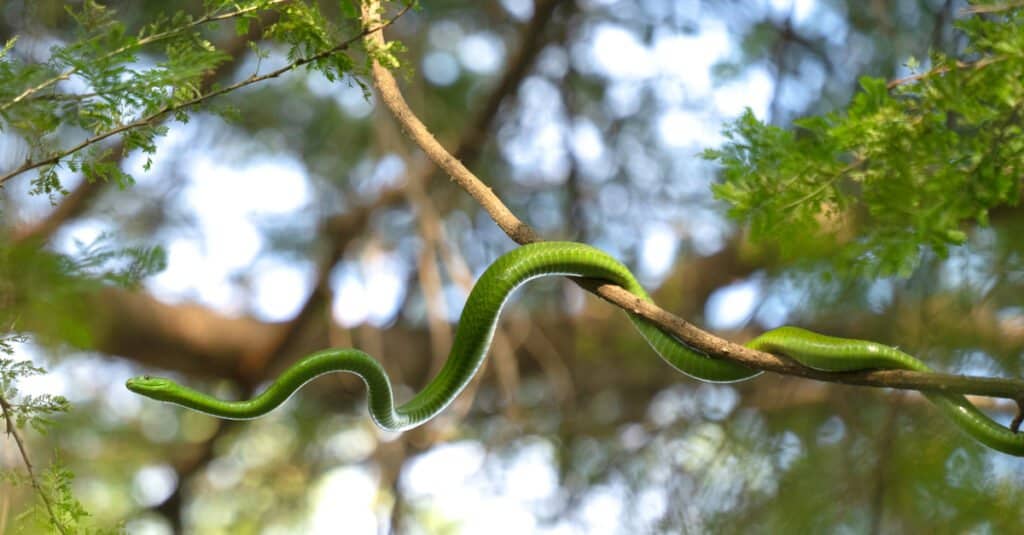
152	387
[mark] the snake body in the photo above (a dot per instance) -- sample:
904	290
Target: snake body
476	329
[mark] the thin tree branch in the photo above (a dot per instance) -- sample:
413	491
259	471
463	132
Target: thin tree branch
942	69
139	44
79	200
720	348
429	273
392	97
692	336
152	117
12	430
994	8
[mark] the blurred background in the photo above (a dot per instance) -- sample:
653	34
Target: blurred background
307	220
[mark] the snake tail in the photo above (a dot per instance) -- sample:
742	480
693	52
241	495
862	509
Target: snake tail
832	354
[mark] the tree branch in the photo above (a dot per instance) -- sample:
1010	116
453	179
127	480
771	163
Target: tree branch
154	116
414	128
942	69
12	430
692	336
993	8
79	200
144	41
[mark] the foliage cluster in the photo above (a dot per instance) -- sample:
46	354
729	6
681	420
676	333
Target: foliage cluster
57	281
907	166
114	82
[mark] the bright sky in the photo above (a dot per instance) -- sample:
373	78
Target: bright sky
226	240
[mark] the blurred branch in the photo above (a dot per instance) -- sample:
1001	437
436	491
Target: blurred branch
5	507
429	275
884	441
942	16
389	93
692	336
430	279
170	508
390	457
576	191
12	430
504	350
942	69
71	206
993	8
532	42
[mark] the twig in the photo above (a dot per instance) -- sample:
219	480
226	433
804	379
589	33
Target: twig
81	198
692	336
12	430
1015	424
138	44
980	64
994	8
52	160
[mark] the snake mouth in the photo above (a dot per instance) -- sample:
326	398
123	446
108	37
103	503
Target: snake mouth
147	385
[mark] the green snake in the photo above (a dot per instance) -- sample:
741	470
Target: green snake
476	329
